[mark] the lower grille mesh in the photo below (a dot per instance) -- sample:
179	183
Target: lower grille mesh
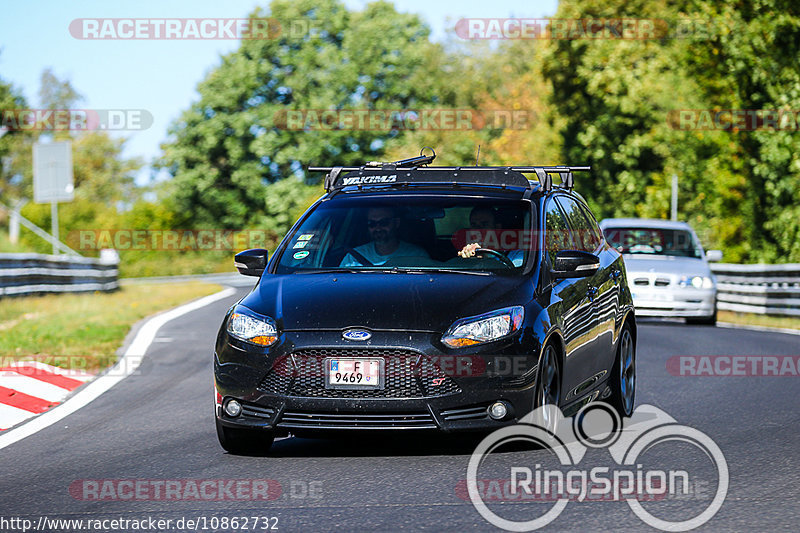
408	374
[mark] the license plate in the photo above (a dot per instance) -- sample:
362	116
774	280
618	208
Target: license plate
354	373
657	297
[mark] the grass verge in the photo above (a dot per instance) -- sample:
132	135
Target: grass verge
84	331
752	319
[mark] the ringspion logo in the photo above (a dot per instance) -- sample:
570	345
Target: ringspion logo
595	426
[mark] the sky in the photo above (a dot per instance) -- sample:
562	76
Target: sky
160	76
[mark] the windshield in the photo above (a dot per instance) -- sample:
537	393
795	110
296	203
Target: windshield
653	241
411	233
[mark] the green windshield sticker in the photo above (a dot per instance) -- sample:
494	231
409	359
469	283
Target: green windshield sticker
301	255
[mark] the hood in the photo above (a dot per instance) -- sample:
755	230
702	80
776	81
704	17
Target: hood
665	264
382	301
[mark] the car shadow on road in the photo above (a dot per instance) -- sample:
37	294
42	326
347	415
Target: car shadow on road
386	445
376	445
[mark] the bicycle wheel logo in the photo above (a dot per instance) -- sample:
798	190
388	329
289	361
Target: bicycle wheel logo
597	426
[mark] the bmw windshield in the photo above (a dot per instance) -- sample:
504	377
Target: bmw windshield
489	235
653	241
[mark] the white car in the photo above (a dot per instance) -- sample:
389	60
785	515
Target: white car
668	270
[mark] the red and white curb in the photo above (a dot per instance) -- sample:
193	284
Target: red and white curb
28	388
126	366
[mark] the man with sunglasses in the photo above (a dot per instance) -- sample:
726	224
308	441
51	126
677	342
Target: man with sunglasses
383	225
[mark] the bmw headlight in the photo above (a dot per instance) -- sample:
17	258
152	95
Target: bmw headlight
698	282
484	328
249	326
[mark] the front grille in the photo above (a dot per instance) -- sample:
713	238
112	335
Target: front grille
408	374
257	412
641	281
662	282
313	420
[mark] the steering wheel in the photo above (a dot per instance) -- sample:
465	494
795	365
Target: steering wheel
494	254
358	257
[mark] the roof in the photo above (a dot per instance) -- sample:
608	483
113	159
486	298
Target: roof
643	223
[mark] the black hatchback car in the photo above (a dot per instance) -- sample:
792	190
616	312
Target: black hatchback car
412	297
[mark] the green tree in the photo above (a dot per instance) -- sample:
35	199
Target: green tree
104	178
755	65
14	178
233	143
614	100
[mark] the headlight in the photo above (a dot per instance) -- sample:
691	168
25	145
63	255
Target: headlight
698	282
484	328
251	327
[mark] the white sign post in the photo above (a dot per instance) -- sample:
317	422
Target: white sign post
52	178
674	207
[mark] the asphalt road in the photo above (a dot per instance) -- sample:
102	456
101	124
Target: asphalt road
158	425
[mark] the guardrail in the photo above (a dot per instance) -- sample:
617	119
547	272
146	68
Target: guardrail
22	274
761	289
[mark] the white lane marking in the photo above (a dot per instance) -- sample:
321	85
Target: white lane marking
32	387
10	416
767	329
127	364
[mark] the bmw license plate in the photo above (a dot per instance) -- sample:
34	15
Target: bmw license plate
354	373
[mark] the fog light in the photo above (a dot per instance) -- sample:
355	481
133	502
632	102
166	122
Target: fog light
498	410
233	408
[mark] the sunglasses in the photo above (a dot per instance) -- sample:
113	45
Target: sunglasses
382	222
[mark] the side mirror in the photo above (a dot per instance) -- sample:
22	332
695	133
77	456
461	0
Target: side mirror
575	264
251	262
714	256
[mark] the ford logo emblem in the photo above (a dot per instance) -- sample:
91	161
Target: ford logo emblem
356	335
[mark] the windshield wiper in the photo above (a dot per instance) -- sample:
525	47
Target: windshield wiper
327	270
393	270
470	272
437	270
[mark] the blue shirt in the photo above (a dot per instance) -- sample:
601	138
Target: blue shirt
369	252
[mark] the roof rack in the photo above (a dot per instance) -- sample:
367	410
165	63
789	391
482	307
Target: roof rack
377	173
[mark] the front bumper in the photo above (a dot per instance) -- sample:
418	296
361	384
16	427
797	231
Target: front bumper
282	389
674	302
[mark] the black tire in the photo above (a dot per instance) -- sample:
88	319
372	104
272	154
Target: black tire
239	441
548	389
704	320
623	374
